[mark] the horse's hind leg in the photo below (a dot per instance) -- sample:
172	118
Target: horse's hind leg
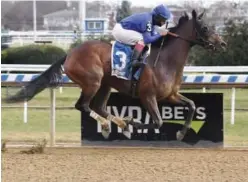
99	106
88	95
78	104
90	82
151	105
99	102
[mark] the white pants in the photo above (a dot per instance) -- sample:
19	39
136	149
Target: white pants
125	36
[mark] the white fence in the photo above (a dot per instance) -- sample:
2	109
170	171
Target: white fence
206	72
59	38
187	69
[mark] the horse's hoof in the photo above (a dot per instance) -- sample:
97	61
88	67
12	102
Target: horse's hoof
105	132
180	136
126	132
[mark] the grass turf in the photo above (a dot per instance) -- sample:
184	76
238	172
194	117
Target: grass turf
68	121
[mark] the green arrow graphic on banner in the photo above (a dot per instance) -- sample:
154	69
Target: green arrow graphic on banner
195	125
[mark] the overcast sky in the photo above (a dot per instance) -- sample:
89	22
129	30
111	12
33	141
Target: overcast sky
152	3
179	2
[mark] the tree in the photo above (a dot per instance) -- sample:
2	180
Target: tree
193	5
111	21
236	36
123	11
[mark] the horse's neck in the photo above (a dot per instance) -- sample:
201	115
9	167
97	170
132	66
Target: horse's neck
174	55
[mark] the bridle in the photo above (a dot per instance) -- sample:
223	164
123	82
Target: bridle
198	41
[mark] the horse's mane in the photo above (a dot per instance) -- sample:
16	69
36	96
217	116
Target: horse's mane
184	18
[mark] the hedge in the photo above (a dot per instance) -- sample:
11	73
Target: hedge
40	54
32	54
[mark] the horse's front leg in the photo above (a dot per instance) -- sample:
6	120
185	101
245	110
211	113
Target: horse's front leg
99	106
180	99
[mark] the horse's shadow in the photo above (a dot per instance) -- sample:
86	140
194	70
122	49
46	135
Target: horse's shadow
167	132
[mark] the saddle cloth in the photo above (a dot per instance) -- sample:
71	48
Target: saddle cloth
121	55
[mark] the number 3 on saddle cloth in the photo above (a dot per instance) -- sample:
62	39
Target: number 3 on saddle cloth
121	63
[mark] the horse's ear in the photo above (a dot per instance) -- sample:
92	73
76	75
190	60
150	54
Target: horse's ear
194	14
201	15
185	13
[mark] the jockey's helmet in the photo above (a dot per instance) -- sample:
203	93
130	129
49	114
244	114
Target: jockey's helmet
161	13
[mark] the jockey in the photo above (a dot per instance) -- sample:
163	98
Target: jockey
139	29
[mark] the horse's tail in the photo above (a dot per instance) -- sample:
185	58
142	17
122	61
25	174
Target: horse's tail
50	78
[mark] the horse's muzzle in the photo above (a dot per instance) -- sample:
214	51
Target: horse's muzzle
223	45
211	47
214	47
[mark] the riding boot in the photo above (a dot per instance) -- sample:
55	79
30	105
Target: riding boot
137	52
136	63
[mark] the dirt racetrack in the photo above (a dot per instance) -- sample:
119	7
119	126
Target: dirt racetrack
125	164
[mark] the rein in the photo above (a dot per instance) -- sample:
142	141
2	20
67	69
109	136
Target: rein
188	40
176	36
201	43
161	45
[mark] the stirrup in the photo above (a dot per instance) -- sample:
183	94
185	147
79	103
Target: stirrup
138	64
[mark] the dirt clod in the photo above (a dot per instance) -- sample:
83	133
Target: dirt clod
38	148
3	148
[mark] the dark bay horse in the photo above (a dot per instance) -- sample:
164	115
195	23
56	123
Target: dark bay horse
89	65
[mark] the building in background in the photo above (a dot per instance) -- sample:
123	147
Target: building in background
95	19
61	20
68	19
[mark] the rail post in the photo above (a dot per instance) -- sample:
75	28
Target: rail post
25	111
233	106
52	117
204	88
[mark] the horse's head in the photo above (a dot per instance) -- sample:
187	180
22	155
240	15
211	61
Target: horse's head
205	35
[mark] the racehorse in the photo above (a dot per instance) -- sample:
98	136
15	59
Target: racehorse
89	65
